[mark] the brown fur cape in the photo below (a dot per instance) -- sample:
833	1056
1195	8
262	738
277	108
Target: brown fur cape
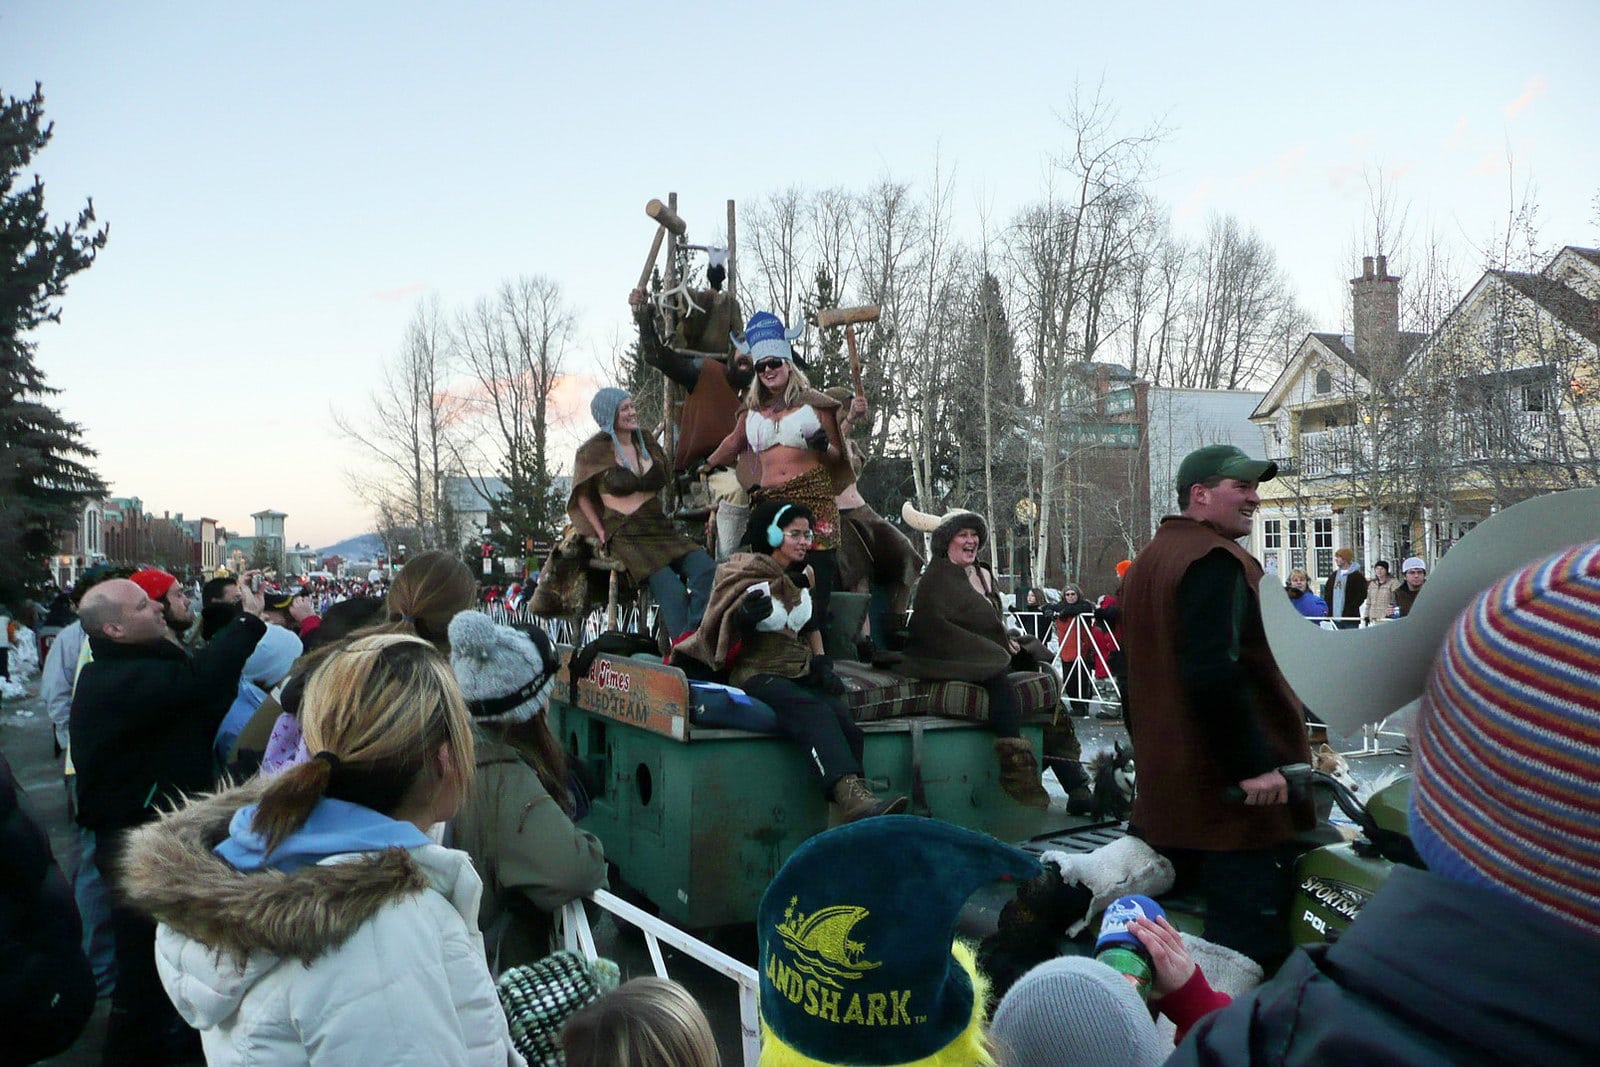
956	632
596	456
718	639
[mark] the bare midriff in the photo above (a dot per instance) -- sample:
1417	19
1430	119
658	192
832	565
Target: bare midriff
780	463
626	504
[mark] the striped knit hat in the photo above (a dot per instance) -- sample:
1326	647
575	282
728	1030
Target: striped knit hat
1507	790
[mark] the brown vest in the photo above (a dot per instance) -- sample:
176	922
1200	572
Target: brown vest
1180	801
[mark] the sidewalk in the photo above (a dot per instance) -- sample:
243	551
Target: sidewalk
28	744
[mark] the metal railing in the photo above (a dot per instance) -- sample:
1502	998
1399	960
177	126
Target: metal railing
1080	629
578	937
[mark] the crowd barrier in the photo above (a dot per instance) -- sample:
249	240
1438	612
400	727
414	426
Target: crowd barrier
578	937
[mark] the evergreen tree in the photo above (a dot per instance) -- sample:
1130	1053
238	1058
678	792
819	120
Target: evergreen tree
44	479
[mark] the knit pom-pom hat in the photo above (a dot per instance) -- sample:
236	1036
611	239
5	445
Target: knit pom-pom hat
539	998
505	673
1075	1011
1508	742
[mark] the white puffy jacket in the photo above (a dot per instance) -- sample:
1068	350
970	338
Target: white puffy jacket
366	958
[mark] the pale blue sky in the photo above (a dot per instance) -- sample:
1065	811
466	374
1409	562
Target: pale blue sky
283	183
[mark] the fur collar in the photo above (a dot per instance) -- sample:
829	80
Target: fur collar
172	874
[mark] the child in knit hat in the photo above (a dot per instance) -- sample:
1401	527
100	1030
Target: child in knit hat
1076	1010
1491	955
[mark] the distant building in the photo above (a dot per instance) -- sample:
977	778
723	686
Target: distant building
81	547
1397	443
266	543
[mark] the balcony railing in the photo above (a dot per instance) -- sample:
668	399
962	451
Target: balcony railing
1325	452
1487	434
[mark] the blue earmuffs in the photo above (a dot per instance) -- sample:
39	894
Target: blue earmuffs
775	531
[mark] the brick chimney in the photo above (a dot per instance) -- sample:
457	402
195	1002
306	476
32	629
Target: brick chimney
1375	298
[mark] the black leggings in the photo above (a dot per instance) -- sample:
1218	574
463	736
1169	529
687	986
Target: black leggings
820	724
1005	714
824	564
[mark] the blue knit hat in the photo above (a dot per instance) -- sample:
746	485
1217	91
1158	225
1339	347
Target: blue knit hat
765	337
604	410
859	962
1508	742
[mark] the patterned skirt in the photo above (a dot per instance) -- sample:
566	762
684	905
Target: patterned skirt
646	540
815	490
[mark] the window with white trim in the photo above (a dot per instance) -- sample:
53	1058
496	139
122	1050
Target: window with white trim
1322	543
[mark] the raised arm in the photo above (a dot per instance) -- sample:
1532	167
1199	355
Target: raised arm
733	444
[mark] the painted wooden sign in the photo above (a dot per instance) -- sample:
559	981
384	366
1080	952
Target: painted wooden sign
647	695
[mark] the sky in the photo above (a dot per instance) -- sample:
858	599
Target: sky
285	182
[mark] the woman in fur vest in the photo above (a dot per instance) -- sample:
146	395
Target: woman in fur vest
310	916
957	633
617	480
759	608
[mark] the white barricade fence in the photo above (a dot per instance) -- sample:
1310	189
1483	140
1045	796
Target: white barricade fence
579	938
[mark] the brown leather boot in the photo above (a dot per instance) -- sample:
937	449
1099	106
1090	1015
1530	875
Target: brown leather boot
1019	772
856	800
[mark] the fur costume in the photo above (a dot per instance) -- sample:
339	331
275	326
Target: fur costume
644	540
956	632
720	643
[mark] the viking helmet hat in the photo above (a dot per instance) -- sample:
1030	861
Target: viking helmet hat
765	337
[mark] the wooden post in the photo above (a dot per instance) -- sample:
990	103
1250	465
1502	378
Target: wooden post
733	260
669	426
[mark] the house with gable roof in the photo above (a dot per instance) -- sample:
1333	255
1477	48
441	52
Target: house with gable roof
1397	443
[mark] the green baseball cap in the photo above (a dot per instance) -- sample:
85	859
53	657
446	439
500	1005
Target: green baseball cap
1223	461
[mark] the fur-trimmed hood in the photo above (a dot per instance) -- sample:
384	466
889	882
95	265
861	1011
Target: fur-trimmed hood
172	873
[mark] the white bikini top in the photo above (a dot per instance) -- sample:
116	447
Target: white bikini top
783	618
763	432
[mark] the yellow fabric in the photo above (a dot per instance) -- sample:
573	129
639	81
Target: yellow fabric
970	1048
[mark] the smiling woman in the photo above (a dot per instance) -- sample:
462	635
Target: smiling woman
617	479
794	431
957	634
762	603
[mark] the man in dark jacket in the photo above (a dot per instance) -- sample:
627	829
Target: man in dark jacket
46	986
1491	955
143	719
1215	713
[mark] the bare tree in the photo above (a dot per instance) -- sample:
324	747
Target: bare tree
410	431
514	346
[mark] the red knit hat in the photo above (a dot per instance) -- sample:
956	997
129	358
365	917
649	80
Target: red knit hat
154	581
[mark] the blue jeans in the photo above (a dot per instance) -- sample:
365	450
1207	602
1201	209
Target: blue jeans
94	908
683	603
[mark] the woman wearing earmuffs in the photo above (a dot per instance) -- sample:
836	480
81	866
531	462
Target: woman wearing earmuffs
760	604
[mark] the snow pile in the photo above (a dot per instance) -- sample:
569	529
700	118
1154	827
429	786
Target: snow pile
24	664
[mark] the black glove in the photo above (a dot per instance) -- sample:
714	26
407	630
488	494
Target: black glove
755	606
716	274
818	440
825	678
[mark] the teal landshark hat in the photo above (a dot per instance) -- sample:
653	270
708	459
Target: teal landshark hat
859	959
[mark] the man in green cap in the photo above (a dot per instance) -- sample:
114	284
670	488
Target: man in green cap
1212	712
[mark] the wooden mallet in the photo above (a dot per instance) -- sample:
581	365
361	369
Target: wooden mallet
848	317
667	219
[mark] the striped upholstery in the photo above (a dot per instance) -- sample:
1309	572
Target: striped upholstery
878	694
1507	790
